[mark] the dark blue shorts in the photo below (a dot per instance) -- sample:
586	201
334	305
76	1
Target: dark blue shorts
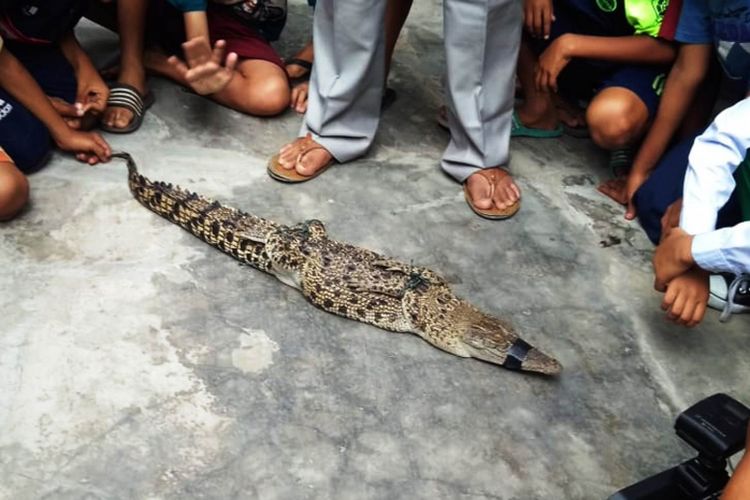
22	135
582	79
664	186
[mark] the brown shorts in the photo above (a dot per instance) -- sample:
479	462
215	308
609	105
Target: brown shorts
166	28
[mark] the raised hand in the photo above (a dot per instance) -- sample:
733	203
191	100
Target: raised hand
203	69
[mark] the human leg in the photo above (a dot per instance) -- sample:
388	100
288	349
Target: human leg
538	109
482	39
128	19
616	117
14	188
346	84
620	112
258	87
662	188
396	12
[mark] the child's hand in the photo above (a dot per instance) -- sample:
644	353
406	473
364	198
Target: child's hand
204	71
71	113
671	218
672	257
88	147
298	102
686	298
538	16
92	93
552	61
632	185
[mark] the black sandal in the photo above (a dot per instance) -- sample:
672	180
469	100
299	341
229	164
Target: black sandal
122	95
302	63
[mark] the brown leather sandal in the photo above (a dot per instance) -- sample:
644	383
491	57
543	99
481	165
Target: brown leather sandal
291	176
491	213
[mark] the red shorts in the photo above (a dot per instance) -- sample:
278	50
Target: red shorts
166	28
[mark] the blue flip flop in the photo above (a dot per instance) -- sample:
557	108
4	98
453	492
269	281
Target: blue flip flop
518	129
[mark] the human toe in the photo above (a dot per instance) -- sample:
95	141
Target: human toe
480	191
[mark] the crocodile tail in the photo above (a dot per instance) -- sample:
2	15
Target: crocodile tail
233	232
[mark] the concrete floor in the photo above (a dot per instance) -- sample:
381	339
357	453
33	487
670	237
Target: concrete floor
137	362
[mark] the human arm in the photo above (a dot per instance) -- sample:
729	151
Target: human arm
538	16
715	155
92	93
194	15
683	81
15	80
709	182
640	49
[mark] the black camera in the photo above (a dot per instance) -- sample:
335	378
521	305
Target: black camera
716	428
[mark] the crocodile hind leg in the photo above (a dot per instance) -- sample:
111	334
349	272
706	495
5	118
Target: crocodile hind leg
381	310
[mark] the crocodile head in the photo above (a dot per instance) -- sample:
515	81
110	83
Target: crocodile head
456	326
495	341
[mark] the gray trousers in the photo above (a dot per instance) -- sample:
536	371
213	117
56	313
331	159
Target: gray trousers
482	38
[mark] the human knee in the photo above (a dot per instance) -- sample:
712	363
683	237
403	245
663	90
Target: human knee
14	191
275	96
267	98
616	121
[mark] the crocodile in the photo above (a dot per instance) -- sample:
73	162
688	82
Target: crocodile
344	279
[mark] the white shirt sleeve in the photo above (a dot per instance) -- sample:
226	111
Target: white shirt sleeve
709	183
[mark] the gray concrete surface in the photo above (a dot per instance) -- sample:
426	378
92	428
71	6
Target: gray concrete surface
137	362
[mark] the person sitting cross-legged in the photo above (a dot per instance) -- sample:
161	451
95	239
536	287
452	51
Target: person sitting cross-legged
49	91
253	79
717	180
607	52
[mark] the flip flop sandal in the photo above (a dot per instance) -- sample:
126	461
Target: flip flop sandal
291	176
126	96
491	213
620	161
518	129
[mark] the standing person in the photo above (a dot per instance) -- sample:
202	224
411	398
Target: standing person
481	44
300	65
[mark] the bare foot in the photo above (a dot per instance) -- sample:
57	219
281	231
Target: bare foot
120	118
538	114
569	114
480	190
505	193
493	187
304	155
615	189
295	70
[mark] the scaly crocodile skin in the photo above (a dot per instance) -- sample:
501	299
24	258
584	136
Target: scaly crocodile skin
343	279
